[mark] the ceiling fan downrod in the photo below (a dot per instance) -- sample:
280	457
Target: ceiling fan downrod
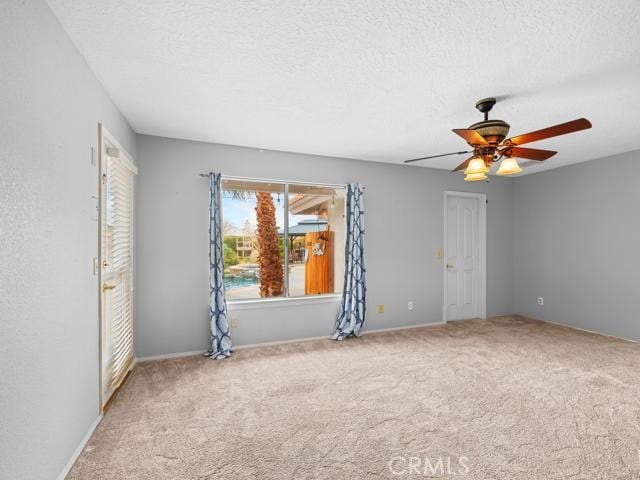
485	105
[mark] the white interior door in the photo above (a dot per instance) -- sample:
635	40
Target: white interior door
462	257
116	259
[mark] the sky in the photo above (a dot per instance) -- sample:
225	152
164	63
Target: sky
237	211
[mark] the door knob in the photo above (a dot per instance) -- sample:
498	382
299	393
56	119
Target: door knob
449	265
106	286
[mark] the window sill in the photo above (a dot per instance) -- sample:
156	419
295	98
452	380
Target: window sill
283	302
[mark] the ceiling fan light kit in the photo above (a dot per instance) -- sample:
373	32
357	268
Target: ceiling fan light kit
509	166
476	165
487	138
474	177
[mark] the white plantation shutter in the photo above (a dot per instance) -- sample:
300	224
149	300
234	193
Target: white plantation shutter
118	274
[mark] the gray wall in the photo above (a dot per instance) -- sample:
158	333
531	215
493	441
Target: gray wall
404	207
50	104
576	243
566	227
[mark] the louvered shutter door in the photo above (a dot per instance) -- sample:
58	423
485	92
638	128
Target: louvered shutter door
119	255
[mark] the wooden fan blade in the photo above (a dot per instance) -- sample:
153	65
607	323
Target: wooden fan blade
463	165
556	130
435	156
471	136
531	153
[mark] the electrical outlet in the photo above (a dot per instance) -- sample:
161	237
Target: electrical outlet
233	322
540	300
380	308
96	266
410	305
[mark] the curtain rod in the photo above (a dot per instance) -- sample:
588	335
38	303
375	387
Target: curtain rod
267	180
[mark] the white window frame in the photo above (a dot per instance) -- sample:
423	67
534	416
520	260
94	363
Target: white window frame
285	299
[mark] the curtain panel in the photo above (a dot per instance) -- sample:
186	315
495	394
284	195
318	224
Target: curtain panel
220	342
351	316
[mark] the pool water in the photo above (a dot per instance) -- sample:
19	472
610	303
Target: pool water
236	282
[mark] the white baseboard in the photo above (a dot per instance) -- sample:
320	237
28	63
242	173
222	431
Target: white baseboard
78	450
408	327
325	337
167	356
577	328
235	347
279	342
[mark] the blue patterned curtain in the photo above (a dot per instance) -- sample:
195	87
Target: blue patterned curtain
220	339
352	310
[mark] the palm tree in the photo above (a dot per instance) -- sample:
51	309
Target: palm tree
271	277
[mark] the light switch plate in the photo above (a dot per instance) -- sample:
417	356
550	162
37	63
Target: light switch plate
95	208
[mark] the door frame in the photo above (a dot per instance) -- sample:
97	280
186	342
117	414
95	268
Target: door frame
482	251
105	140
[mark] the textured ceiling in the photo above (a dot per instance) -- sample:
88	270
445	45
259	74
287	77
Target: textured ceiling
372	79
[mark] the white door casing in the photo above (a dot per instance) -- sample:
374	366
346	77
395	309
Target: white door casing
464	256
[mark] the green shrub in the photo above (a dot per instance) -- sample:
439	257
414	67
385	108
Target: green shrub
230	256
230	241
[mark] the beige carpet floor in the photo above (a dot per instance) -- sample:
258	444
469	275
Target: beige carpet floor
498	399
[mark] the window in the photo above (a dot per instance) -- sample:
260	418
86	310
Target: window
282	239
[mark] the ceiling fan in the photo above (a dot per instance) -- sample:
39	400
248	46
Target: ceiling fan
487	138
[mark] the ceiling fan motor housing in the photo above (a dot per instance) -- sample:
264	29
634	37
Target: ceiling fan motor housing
493	131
